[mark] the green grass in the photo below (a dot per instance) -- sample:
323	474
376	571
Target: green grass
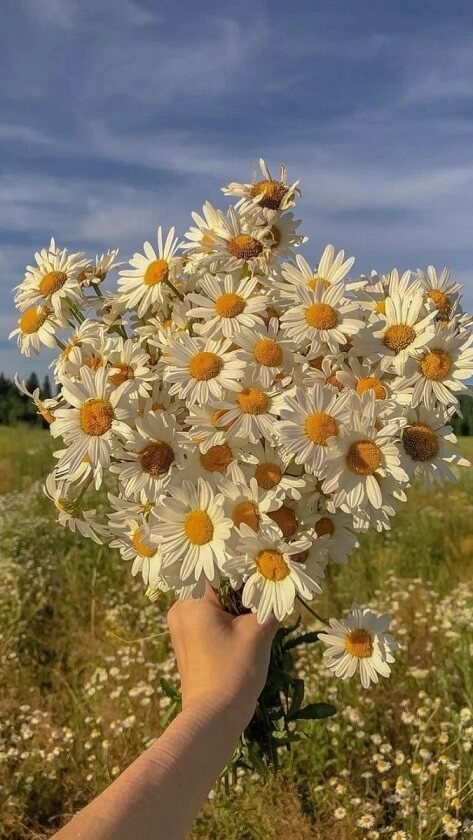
82	653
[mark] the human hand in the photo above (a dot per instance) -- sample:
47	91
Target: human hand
222	658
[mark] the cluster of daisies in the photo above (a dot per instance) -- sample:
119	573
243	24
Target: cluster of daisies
256	412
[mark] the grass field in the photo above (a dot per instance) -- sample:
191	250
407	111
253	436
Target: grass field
82	653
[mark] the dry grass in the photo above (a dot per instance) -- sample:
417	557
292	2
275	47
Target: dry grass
82	653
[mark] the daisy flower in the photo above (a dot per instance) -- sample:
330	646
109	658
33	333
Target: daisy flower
321	316
334	534
145	285
273	579
150	455
359	643
438	374
36	326
71	514
332	269
200	370
309	420
202	237
226	306
237	243
129	363
319	369
281	228
45	407
271	193
220	460
253	411
53	282
248	503
403	331
272	468
428	446
378	287
439	291
361	376
97	414
81	347
193	529
358	455
96	272
138	544
268	351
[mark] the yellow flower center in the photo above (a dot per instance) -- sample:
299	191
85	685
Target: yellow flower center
157	457
363	458
217	458
268	352
123	373
420	442
271	564
244	247
324	526
269	193
33	319
399	336
52	282
252	401
436	365
268	475
207	239
371	383
246	513
380	307
317	281
321	316
359	643
198	527
229	305
95	417
319	427
441	300
93	362
157	272
205	365
140	547
286	520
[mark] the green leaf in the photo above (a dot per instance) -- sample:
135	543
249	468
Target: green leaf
306	638
314	711
297	697
169	689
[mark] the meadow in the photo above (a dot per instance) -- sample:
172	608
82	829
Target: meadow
83	653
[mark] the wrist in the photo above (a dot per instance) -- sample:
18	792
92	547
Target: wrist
231	710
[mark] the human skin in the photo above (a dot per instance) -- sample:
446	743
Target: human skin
223	663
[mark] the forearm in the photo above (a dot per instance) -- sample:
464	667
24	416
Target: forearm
159	795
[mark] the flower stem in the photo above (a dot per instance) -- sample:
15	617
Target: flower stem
312	612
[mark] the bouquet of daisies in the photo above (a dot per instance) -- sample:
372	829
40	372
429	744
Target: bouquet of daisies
249	414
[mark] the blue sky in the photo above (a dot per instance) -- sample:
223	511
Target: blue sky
119	115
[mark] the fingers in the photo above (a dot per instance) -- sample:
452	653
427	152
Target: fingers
267	630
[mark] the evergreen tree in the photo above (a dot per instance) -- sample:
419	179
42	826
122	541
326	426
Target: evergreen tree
46	392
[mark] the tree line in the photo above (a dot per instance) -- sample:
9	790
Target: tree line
16	408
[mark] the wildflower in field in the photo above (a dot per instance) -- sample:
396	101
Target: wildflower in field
273	571
332	269
37	326
271	193
53	282
399	332
95	413
359	643
439	291
144	286
323	315
225	305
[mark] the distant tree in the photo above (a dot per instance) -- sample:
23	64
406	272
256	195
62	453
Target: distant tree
46	392
32	382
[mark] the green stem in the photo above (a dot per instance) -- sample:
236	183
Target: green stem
312	612
59	343
97	289
176	291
